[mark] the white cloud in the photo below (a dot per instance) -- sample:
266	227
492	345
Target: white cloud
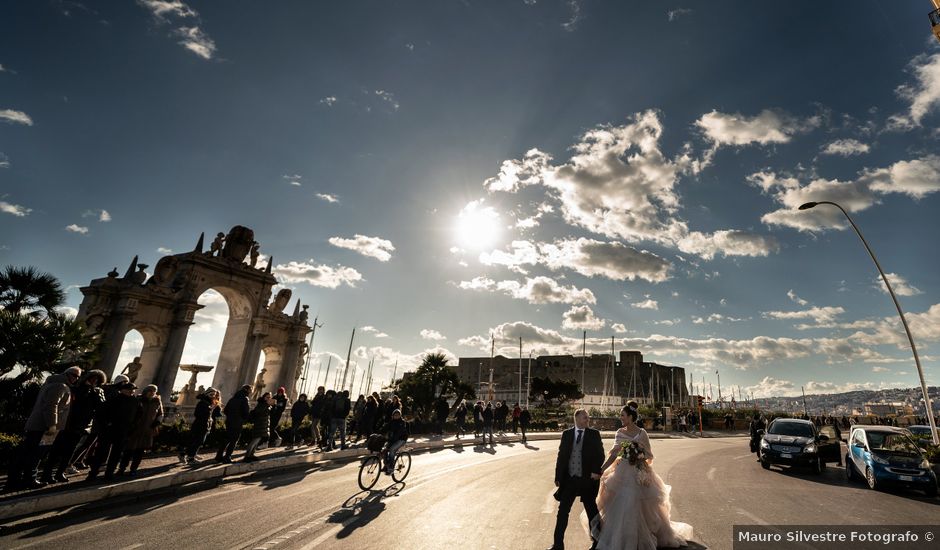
582	318
899	284
916	178
163	8
619	184
728	243
18	117
15	209
196	41
675	14
771	387
329	101
716	318
819	315
104	216
792	296
164	250
846	148
923	95
522	253
328	197
537	290
373	247
880	369
646	304
293	179
317	275
767	127
429	334
374	331
619	328
74	228
4	161
175	12
612	260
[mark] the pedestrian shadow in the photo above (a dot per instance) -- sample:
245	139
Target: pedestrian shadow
362	508
269	482
530	447
484	449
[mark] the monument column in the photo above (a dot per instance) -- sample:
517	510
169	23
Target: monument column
113	340
173	352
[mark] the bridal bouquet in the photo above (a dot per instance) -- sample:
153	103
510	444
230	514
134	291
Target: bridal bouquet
633	453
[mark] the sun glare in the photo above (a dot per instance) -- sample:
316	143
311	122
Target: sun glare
478	226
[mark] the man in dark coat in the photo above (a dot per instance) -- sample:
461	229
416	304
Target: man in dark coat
326	413
339	413
207	409
441	410
87	398
757	424
525	417
577	472
487	416
477	418
120	414
316	415
48	416
281	402
298	411
236	412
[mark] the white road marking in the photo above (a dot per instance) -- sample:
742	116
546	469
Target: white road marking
711	473
131	547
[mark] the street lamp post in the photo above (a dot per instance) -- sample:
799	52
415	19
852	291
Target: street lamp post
907	330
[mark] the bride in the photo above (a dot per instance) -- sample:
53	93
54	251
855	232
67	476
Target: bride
633	500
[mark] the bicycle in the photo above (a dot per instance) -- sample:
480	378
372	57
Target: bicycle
373	466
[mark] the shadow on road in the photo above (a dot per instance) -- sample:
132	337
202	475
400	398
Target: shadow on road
530	447
361	508
835	476
484	449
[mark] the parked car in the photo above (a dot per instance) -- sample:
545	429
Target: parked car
882	455
794	442
920	431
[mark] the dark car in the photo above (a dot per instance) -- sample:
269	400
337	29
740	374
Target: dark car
793	442
883	455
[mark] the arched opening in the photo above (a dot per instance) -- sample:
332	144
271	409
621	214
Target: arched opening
133	346
204	341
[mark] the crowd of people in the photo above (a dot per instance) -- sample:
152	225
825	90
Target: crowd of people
81	422
82	425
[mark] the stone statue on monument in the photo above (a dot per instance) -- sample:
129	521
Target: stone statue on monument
258	387
254	253
132	369
280	301
216	247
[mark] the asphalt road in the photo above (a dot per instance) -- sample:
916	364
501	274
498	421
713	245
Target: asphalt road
473	497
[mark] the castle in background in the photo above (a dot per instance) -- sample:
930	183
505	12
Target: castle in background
630	377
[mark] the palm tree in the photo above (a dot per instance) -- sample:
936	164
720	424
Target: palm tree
28	290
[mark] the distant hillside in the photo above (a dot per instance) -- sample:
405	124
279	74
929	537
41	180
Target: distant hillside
845	403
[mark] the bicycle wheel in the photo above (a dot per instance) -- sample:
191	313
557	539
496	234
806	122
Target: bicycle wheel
402	466
369	472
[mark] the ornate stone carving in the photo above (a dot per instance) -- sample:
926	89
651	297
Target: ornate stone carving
165	273
132	369
238	243
258	387
254	253
280	301
215	248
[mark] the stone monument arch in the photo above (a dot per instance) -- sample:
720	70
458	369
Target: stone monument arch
162	309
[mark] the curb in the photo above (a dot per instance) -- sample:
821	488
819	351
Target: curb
28	505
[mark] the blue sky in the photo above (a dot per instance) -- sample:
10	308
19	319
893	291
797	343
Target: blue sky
437	172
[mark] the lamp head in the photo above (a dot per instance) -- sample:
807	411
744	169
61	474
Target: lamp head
808	205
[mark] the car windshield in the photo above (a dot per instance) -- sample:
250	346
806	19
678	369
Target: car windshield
892	442
797	429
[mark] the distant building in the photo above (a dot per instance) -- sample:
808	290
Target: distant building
888	409
630	377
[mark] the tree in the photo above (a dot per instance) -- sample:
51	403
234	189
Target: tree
27	290
34	336
549	390
433	380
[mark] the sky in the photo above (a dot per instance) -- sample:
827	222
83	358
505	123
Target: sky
439	173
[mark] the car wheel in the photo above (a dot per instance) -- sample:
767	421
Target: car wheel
818	466
849	469
764	464
870	478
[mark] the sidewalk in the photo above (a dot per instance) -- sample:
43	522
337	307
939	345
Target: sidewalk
162	473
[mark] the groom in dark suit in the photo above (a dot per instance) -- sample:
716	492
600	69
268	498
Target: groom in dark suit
577	472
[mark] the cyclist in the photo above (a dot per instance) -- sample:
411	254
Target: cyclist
397	434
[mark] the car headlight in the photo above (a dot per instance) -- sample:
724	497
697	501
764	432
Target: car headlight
811	448
879	460
764	444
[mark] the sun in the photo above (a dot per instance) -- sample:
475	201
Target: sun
478	226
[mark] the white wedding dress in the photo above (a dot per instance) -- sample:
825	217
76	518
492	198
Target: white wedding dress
634	506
